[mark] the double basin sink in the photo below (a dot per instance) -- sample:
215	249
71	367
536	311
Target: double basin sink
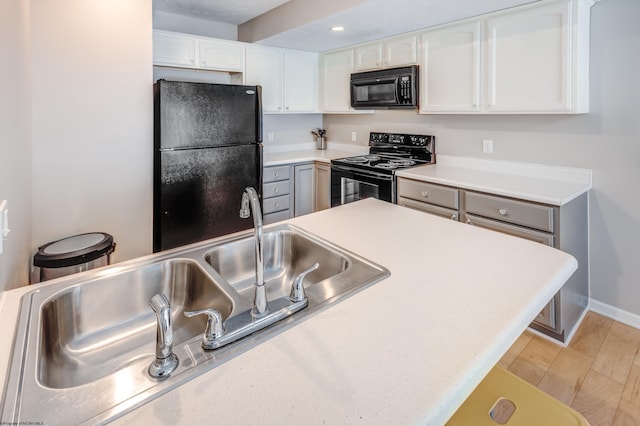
86	341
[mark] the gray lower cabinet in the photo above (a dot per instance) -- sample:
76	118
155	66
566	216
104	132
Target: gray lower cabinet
277	193
295	189
564	227
304	197
322	186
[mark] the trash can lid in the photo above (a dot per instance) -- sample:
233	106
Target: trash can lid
74	250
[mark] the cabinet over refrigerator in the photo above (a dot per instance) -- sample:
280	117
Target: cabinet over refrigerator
207	150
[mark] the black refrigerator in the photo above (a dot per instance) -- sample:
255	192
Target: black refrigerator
207	150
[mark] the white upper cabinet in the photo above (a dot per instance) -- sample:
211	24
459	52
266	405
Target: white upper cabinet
221	55
264	66
529	60
450	72
532	59
399	51
392	52
335	86
289	78
368	56
174	50
185	51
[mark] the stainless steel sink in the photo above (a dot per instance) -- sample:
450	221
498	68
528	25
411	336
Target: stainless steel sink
91	330
90	337
288	252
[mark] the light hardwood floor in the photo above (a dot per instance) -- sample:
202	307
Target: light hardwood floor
598	374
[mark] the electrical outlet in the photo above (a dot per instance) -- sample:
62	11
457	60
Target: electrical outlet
487	146
354	136
270	136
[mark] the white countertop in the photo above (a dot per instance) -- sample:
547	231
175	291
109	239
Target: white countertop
307	152
535	182
407	350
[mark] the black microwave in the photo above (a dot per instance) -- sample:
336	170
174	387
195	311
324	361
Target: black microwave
393	88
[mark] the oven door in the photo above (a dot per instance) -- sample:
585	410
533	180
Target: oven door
350	184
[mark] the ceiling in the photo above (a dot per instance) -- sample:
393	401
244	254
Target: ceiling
365	21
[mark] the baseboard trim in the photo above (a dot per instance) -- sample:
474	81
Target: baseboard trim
614	313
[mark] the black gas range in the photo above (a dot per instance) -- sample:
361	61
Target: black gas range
373	175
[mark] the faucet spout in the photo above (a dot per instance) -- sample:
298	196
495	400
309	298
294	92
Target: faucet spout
166	361
251	205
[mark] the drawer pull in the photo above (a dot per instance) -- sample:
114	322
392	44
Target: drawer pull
453	217
276	205
276	190
425	194
276	174
503	212
469	222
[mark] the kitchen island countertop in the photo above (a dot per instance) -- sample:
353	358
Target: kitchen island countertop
407	350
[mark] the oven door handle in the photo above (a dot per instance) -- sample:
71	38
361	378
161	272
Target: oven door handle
362	172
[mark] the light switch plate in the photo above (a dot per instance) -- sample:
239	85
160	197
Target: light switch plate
4	223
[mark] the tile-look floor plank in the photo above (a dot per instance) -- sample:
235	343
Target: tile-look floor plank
566	375
591	334
618	352
598	398
628	413
534	360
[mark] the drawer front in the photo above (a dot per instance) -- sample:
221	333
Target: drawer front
429	193
505	228
428	208
519	212
275	189
274	174
275	204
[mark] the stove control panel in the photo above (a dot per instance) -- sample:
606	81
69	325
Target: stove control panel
376	138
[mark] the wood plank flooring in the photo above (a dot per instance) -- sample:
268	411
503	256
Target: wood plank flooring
598	374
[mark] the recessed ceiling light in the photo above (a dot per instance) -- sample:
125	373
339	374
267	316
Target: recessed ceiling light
337	28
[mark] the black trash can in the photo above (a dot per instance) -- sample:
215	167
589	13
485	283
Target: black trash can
74	254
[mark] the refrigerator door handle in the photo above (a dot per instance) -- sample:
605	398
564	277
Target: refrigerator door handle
259	114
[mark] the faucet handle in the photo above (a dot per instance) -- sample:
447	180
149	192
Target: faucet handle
297	288
215	326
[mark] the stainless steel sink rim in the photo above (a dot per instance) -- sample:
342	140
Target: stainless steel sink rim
193	360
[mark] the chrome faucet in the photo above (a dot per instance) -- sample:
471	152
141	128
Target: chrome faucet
250	199
166	361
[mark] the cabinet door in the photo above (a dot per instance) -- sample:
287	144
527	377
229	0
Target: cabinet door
174	50
528	60
264	66
400	51
335	81
322	186
223	56
450	72
303	184
300	81
368	56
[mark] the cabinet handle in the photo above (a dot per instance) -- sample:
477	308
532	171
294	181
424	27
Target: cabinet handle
279	108
468	221
287	108
276	174
503	212
276	190
204	62
454	217
425	194
276	205
193	61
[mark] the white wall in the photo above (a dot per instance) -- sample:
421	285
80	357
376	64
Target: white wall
15	140
607	140
92	120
